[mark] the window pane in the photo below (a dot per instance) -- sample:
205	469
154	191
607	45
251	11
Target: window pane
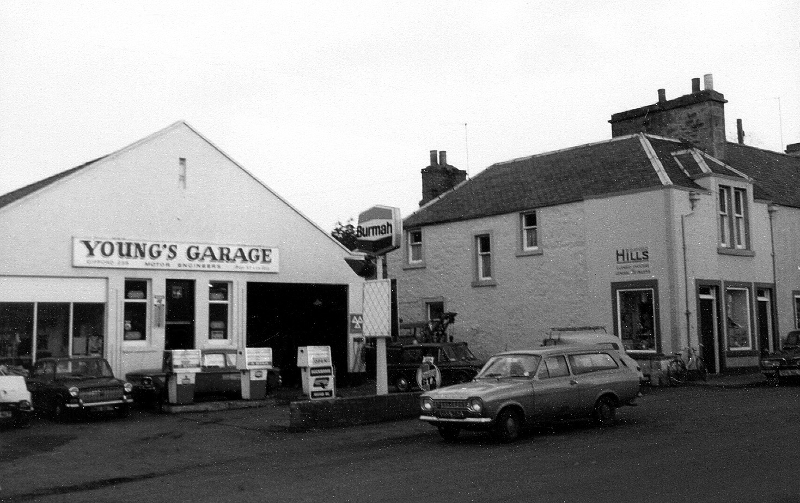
530	238
486	266
218	321
135	289
217	291
530	220
135	321
16	333
484	245
88	329
52	329
737	306
637	319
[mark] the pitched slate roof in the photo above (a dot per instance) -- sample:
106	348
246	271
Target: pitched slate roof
18	194
622	164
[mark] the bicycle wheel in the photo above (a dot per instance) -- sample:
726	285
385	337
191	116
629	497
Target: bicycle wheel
676	372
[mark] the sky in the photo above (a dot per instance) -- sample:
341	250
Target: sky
335	105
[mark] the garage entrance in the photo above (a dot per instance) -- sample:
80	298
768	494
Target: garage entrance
285	316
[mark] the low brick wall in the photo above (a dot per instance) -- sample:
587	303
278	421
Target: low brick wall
351	411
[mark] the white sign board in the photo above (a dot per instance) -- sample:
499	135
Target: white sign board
182	360
142	254
254	358
379	230
377	304
314	356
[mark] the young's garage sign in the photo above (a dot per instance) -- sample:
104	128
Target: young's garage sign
379	230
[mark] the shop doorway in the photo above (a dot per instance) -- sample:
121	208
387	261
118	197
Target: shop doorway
285	316
179	317
764	319
709	328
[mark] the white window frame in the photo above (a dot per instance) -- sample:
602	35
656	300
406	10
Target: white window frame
724	217
483	258
526	230
148	312
414	245
739	203
732	209
728	319
227	302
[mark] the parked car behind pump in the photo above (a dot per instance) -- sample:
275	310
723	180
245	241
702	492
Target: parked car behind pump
63	386
784	365
455	362
218	378
521	388
592	335
15	400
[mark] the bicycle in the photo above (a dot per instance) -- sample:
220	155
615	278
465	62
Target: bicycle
678	370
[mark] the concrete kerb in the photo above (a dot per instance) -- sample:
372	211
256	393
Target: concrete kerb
350	411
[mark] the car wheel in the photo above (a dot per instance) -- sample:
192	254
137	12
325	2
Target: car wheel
60	411
124	411
508	425
402	384
605	411
449	433
22	421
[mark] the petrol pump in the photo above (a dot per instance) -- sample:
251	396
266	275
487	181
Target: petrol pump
181	365
316	369
253	365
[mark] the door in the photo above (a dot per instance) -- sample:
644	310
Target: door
764	314
709	327
179	317
552	388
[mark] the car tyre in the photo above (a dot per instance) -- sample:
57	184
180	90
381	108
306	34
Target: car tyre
402	384
124	411
508	425
23	421
60	411
449	433
605	411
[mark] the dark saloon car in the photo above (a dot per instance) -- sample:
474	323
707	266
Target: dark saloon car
784	365
520	388
218	378
66	385
455	362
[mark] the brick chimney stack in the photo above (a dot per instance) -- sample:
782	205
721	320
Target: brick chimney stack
698	118
439	177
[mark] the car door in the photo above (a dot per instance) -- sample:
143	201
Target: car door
552	388
585	383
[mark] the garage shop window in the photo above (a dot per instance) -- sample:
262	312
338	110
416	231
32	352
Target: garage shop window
137	295
733	218
529	232
737	319
484	267
636	316
218	310
414	250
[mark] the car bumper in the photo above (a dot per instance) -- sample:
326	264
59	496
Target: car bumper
99	405
466	421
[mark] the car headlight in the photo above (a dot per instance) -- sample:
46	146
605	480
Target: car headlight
769	363
128	387
73	391
475	405
426	404
147	381
24	405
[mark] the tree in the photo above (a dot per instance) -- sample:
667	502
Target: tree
346	234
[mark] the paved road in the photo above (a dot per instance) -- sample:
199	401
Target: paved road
698	444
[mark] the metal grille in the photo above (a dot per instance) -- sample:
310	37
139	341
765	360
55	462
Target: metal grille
100	394
450	404
378	308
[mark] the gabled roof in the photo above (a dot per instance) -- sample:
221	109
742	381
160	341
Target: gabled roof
622	164
18	194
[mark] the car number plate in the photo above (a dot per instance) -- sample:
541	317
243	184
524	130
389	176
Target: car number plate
789	372
104	408
5	413
452	414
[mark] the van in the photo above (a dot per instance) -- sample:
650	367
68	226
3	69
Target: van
595	335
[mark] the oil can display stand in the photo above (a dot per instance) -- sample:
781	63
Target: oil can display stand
181	365
253	365
316	371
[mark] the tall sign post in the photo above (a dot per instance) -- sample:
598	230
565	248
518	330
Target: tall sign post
379	231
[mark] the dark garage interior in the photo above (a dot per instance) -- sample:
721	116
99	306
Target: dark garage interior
285	316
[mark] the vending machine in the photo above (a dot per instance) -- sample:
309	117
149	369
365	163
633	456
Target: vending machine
316	369
253	365
181	365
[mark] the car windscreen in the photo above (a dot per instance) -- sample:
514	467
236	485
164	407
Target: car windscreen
459	352
83	368
510	366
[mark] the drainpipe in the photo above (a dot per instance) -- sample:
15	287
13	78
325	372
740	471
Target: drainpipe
693	198
772	209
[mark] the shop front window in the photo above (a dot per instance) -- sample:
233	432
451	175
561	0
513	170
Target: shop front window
218	309
16	333
52	329
737	312
88	321
136	298
636	319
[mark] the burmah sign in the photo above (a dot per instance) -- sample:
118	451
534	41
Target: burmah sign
379	230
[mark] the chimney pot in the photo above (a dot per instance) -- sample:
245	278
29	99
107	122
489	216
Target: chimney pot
662	96
433	158
739	131
708	82
696	85
442	158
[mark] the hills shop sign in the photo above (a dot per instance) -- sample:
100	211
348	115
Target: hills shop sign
138	254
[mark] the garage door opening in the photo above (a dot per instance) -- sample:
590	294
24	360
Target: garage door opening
285	316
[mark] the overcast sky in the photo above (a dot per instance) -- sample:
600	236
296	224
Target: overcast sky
336	104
